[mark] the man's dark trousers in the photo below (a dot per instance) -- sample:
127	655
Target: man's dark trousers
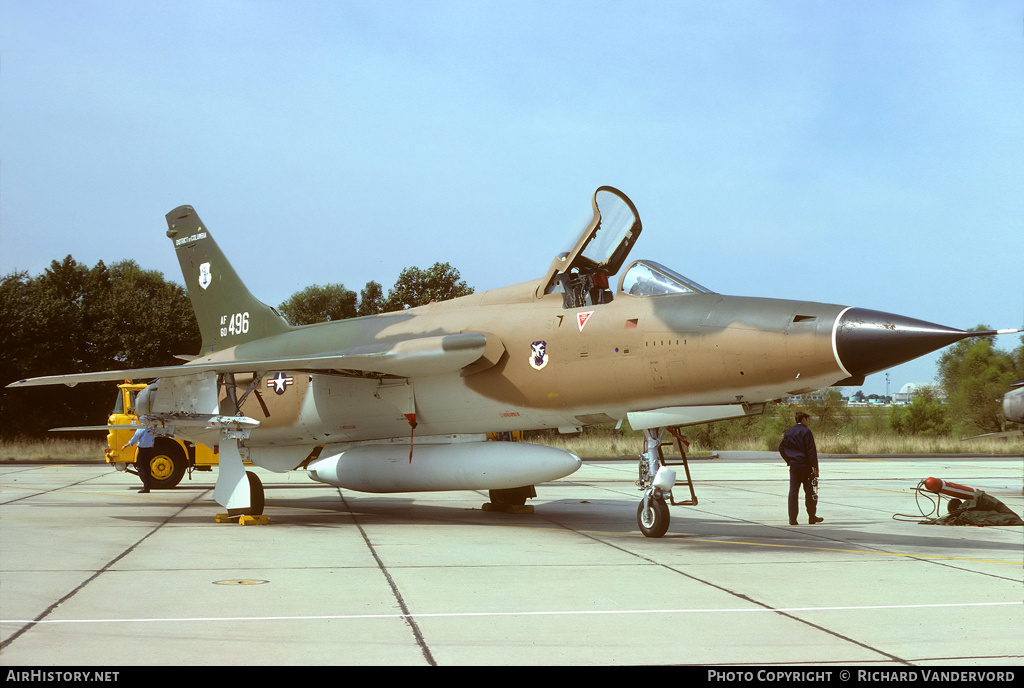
800	474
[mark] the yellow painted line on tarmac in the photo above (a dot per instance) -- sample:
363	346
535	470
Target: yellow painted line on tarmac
860	460
133	494
854	551
687	538
893	490
153	496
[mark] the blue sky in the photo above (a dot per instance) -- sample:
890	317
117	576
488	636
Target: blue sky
868	154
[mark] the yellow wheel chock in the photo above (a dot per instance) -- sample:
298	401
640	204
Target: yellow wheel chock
244	520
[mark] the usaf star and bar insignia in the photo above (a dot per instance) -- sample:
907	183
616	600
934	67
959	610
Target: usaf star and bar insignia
280	382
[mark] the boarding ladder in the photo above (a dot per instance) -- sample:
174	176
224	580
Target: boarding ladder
681	445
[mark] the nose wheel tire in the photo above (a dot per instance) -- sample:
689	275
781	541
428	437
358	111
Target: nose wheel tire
654	520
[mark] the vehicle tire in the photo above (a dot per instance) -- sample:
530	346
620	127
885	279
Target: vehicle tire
654	523
515	496
167	464
256	501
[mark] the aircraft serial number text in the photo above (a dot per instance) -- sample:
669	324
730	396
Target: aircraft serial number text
238	324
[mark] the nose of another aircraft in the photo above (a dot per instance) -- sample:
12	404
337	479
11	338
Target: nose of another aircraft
868	341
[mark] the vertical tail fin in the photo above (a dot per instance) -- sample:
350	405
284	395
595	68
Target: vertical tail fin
228	314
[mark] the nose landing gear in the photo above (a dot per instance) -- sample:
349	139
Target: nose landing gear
657	480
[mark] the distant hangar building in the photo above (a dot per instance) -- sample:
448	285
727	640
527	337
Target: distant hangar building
907	392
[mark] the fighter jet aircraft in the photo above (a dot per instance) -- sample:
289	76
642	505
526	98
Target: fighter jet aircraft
401	402
1013	403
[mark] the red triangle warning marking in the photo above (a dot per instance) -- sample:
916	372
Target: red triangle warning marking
582	318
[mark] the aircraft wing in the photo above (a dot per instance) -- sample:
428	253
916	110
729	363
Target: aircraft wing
416	357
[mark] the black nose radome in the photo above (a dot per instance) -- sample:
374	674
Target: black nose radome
869	341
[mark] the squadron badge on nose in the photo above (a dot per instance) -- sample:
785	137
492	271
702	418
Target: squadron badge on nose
538	355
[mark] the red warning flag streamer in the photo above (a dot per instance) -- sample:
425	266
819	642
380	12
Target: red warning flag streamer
411	417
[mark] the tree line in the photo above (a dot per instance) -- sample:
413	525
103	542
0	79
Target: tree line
75	319
973	375
414	287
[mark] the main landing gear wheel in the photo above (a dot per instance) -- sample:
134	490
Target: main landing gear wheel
511	500
256	501
515	496
654	520
251	515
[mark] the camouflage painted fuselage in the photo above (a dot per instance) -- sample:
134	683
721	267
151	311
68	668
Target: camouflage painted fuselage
599	363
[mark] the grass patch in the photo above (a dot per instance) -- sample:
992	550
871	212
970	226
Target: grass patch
58	450
631	444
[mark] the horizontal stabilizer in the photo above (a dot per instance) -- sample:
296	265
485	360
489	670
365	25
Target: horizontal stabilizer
94	428
419	357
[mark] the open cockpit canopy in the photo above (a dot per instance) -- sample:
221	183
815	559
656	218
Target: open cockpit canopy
581	274
606	241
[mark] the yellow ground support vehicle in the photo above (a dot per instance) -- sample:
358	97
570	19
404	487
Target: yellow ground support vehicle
169	459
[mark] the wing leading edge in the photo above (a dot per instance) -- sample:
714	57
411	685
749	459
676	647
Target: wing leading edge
418	357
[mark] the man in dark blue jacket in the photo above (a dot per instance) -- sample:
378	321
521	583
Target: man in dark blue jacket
800	452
